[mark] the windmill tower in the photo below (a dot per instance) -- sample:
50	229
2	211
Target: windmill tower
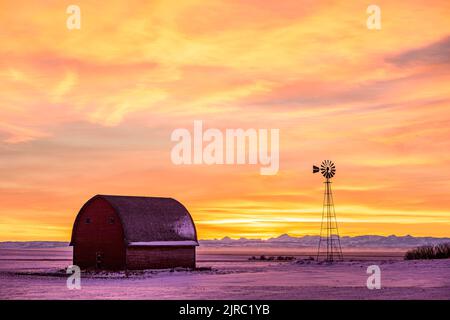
329	243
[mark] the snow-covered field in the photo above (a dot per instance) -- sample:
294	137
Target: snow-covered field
36	274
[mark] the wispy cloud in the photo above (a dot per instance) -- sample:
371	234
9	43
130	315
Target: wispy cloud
437	53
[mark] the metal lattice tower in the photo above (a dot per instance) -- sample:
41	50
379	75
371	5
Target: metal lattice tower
329	249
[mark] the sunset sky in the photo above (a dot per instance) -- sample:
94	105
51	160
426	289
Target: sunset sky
91	111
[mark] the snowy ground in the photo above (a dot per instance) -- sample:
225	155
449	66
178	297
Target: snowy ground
33	274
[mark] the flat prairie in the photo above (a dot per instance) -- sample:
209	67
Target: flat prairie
230	273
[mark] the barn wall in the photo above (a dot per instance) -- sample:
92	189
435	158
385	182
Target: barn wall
160	257
100	236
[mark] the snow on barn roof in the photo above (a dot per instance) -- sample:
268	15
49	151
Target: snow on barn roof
151	219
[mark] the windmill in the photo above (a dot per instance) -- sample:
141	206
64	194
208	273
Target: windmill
329	233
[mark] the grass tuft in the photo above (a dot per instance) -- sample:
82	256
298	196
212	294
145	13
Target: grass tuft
439	251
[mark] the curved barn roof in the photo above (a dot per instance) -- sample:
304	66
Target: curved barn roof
147	220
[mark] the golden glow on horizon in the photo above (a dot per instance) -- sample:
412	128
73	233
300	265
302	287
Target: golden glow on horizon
90	111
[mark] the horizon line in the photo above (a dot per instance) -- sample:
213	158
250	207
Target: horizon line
264	239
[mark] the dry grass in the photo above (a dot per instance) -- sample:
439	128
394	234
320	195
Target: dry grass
439	251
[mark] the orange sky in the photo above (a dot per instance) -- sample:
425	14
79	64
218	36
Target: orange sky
90	111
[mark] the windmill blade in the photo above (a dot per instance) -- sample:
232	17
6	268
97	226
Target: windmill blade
327	169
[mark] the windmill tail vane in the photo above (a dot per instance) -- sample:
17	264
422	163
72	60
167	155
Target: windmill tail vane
329	248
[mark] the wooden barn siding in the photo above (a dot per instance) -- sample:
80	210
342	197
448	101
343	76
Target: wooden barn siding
160	257
99	236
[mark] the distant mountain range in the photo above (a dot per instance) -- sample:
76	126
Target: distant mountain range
369	241
284	240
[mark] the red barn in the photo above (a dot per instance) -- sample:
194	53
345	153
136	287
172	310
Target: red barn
121	232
